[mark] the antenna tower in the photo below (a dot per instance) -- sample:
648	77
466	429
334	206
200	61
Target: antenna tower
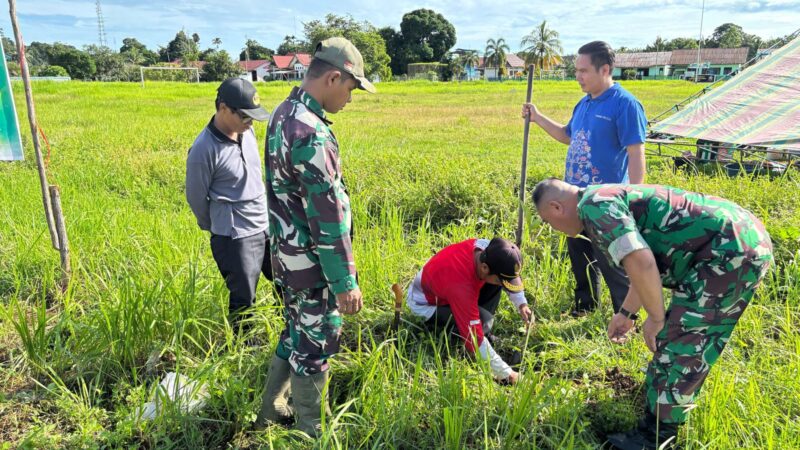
101	28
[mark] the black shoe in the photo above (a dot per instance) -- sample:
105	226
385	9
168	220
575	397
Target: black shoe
579	312
650	434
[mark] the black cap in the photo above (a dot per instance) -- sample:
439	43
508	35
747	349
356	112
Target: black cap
504	260
240	94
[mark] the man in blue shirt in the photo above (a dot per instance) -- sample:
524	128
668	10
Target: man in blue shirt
606	145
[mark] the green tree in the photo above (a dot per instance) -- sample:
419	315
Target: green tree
10	49
254	50
49	71
495	55
424	36
216	42
681	44
362	34
220	66
205	54
109	64
542	47
38	53
134	52
727	35
291	44
78	64
182	48
659	45
469	61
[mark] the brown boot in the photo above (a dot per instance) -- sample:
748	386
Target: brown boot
275	402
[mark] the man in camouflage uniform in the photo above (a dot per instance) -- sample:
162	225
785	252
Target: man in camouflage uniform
712	254
310	233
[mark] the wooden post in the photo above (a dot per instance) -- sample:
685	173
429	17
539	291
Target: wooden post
55	196
524	175
50	194
23	64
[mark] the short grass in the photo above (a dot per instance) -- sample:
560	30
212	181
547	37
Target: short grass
427	164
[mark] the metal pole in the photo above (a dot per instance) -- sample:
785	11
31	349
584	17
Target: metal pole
23	64
524	174
699	43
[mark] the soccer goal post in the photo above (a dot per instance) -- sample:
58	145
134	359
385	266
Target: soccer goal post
191	71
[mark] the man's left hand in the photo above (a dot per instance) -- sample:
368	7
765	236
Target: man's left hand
650	329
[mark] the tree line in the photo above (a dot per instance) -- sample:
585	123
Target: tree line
424	37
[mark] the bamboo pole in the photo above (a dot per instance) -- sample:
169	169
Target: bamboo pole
23	64
51	197
66	272
524	175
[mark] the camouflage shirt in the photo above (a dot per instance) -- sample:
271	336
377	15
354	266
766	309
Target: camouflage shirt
681	228
309	209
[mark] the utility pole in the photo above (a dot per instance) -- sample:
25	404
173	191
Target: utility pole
699	43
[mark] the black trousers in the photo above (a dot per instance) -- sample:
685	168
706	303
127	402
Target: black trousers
241	262
488	300
586	259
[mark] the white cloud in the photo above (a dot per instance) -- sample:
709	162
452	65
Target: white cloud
632	23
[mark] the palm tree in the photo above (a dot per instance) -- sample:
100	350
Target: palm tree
542	47
495	55
469	61
216	42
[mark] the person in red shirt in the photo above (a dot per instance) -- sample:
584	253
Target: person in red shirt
461	284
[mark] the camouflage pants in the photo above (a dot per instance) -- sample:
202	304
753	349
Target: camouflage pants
704	310
312	329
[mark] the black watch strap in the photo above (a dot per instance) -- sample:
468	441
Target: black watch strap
628	314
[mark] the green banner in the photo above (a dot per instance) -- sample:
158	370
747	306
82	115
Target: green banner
10	142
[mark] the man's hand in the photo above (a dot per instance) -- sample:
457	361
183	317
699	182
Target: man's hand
650	329
513	378
349	302
618	328
530	108
526	314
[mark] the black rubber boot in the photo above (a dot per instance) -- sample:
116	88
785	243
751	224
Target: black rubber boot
650	434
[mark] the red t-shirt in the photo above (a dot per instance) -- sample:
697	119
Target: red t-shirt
449	278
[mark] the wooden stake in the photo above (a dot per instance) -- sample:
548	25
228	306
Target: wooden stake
51	197
23	64
66	269
524	175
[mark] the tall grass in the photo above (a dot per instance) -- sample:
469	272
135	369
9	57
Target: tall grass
426	164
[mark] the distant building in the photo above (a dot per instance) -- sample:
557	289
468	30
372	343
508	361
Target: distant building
675	63
256	69
514	67
290	67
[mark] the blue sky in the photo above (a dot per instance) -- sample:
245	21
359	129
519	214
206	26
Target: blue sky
632	23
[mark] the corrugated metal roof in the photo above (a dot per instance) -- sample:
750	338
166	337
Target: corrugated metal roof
709	55
641	59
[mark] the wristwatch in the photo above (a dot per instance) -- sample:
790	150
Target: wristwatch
628	314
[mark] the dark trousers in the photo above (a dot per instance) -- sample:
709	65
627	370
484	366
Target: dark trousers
488	300
586	259
241	261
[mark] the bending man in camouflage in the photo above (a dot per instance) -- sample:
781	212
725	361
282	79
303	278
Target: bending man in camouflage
712	254
310	233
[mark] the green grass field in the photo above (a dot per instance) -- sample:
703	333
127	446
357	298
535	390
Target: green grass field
427	164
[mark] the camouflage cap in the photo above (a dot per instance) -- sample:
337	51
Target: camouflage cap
342	54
